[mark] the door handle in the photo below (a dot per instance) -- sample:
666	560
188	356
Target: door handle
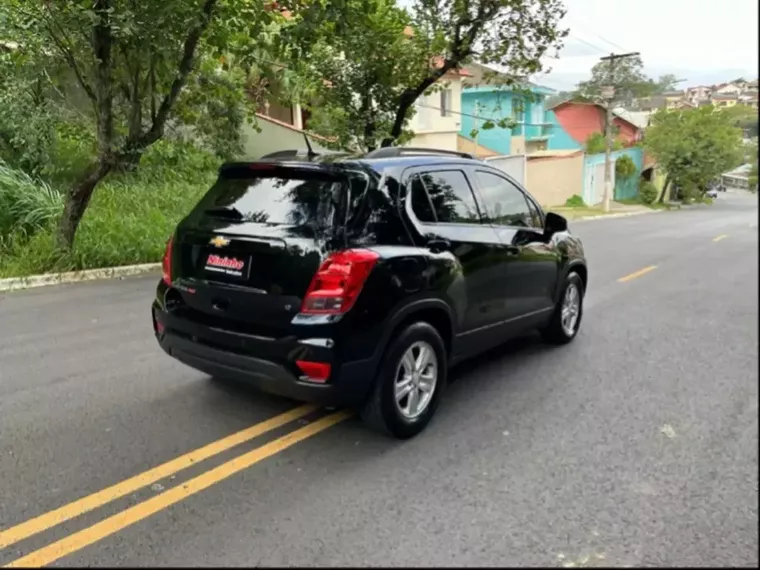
438	244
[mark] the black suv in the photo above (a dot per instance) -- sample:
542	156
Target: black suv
347	280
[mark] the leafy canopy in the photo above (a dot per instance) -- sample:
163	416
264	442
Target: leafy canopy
138	70
694	146
369	53
629	80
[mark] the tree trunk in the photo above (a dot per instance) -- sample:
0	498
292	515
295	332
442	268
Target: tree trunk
409	98
664	190
77	200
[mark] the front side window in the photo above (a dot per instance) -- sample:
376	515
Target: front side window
448	196
504	203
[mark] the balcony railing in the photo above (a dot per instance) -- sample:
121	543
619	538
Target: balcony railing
540	131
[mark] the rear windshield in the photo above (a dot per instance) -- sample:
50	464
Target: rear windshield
282	198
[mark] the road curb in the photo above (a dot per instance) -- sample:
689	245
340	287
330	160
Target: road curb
611	216
31	281
16	283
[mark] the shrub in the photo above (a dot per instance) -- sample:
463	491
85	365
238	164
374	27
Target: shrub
647	192
27	205
595	143
625	167
128	221
574	201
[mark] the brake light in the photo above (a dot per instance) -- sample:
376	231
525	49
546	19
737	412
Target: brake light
315	371
166	262
338	282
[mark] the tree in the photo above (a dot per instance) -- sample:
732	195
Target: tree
743	117
665	83
753	159
360	69
693	146
26	111
513	35
143	67
378	59
627	76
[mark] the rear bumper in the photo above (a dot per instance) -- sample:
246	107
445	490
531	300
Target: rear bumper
348	384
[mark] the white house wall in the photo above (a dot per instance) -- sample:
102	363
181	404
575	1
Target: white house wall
272	138
428	117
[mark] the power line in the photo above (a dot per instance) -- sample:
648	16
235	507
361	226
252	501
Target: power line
523	124
605	40
593	46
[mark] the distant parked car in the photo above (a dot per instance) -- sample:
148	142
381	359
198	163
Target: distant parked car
712	193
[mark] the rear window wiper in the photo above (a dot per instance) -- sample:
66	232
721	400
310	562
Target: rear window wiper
226	212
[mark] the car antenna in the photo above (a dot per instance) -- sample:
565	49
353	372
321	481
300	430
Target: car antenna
310	151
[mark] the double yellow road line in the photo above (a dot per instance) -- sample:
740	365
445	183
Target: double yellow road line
143	510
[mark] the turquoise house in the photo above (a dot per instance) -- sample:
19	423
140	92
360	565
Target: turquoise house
487	102
560	139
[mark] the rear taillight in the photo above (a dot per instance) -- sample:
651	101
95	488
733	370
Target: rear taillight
166	262
338	282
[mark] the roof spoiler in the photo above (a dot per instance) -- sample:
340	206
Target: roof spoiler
293	153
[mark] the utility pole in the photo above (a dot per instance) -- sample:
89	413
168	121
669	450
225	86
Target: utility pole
608	93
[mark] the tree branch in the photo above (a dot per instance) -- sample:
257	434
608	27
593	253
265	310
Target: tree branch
72	63
102	44
185	67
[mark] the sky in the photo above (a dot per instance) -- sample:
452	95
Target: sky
699	41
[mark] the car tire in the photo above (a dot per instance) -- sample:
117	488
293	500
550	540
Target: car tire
559	330
383	411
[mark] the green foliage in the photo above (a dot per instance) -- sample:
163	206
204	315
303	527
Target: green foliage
694	146
26	205
135	71
491	119
627	76
575	201
360	69
752	177
624	167
128	221
364	50
595	143
647	192
26	111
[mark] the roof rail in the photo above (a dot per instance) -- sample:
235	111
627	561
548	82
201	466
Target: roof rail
394	151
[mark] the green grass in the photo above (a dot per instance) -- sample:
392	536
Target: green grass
129	220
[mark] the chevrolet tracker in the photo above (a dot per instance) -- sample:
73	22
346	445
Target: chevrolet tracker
358	281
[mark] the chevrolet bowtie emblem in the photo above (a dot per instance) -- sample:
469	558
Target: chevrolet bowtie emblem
219	241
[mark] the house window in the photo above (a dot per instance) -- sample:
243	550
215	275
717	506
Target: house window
518	110
536	113
446	103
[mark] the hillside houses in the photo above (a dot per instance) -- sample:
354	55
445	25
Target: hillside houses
722	95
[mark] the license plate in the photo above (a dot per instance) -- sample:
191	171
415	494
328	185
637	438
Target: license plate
235	266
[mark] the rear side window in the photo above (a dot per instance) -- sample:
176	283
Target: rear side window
282	198
444	196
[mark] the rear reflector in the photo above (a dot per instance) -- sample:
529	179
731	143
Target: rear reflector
166	262
315	371
338	282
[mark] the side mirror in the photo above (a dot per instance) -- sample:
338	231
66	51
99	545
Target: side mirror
554	223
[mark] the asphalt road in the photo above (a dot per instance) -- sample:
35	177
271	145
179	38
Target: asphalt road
635	445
